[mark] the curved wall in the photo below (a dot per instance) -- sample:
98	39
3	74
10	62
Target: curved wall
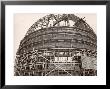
59	37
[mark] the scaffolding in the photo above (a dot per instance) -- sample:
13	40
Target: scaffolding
55	50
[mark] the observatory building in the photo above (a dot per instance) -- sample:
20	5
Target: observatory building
57	45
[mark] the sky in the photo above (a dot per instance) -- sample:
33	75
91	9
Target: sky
23	21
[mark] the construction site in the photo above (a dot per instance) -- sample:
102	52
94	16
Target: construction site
57	45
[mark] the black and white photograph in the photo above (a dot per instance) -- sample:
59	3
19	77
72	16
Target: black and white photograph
55	44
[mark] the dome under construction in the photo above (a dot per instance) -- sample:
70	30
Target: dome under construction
57	45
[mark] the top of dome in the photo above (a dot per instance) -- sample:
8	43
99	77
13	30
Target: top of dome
55	20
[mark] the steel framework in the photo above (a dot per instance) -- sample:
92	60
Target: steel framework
57	45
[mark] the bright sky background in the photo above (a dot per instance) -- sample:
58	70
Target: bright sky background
23	21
